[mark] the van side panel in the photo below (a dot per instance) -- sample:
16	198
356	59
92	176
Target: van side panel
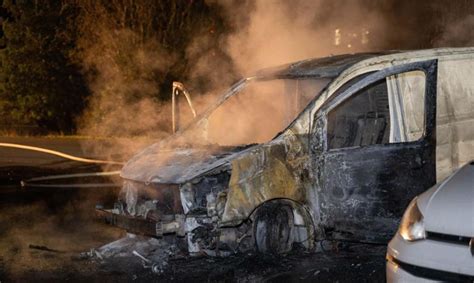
455	114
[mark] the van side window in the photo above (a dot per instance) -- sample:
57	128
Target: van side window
388	111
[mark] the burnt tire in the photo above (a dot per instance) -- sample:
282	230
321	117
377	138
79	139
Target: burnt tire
273	229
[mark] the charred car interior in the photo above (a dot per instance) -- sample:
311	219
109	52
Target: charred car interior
351	140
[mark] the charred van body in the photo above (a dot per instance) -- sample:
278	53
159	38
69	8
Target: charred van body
351	139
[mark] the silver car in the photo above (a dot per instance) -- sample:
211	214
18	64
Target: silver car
435	240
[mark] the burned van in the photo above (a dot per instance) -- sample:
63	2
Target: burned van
330	148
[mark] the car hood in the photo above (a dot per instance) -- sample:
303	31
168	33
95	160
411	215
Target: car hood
448	207
158	164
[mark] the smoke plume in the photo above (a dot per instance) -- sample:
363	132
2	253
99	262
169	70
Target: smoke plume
277	32
126	56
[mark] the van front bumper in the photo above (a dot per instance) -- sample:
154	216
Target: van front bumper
171	224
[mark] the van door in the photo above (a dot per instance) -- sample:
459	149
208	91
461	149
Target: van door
373	150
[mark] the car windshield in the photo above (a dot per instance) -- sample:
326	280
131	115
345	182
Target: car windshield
256	112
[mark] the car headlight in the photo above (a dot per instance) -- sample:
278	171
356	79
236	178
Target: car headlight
412	227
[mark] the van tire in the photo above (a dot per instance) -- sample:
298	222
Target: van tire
273	229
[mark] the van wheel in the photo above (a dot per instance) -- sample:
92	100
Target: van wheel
273	229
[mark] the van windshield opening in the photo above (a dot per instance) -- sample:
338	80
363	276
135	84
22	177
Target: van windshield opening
258	111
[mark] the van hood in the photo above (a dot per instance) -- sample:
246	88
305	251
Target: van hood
448	208
165	165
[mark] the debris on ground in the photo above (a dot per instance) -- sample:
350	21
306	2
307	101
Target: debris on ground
153	253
